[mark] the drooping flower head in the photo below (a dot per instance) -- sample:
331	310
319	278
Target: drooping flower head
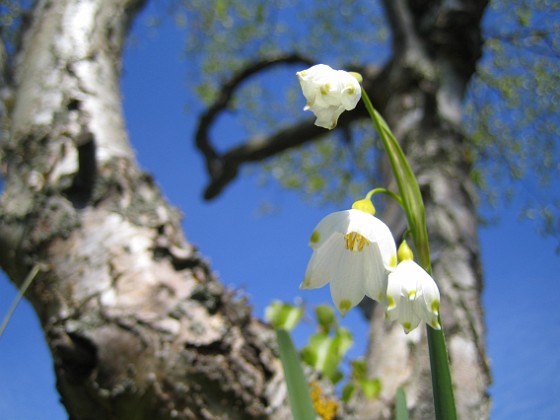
329	93
412	294
354	251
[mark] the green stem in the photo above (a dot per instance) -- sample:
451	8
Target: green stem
385	191
413	205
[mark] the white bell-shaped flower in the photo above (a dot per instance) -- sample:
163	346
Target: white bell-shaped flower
354	251
329	93
412	294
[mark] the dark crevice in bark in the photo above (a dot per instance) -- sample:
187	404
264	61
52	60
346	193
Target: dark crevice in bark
81	191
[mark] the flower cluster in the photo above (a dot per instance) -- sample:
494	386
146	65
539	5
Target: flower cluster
329	93
355	252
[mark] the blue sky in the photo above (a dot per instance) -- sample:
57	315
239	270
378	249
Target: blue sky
266	255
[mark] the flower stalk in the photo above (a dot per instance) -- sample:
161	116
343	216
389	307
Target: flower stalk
413	206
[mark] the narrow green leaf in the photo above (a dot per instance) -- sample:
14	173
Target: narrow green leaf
444	401
408	186
298	391
401	411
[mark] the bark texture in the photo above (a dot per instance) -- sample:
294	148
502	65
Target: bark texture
137	325
436	46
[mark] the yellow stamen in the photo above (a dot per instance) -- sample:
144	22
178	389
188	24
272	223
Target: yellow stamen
355	241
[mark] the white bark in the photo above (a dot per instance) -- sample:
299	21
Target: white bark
137	324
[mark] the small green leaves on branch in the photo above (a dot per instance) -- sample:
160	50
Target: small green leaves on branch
329	93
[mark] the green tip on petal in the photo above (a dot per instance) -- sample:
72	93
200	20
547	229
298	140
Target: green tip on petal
393	261
411	295
358	76
344	306
405	253
407	327
390	302
314	237
435	307
305	283
435	325
364	205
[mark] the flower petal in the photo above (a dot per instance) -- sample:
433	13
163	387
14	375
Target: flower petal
334	222
375	273
324	259
347	285
374	230
328	93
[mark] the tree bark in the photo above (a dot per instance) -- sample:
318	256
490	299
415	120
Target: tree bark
436	46
137	324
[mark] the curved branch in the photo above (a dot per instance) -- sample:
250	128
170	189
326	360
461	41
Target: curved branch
222	102
223	168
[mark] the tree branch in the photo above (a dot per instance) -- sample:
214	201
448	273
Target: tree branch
222	102
223	168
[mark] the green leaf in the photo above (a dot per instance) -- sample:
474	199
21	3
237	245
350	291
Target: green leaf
408	186
370	387
298	391
358	369
343	340
283	315
324	353
325	317
347	391
444	400
401	411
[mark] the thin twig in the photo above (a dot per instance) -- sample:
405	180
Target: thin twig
28	280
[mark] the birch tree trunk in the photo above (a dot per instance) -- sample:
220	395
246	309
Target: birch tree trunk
436	46
137	325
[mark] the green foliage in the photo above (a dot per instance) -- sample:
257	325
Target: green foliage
282	315
327	348
224	36
512	109
511	112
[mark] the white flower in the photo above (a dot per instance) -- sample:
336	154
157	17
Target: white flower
329	93
412	296
354	251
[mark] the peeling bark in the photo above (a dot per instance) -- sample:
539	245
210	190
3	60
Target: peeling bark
137	324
